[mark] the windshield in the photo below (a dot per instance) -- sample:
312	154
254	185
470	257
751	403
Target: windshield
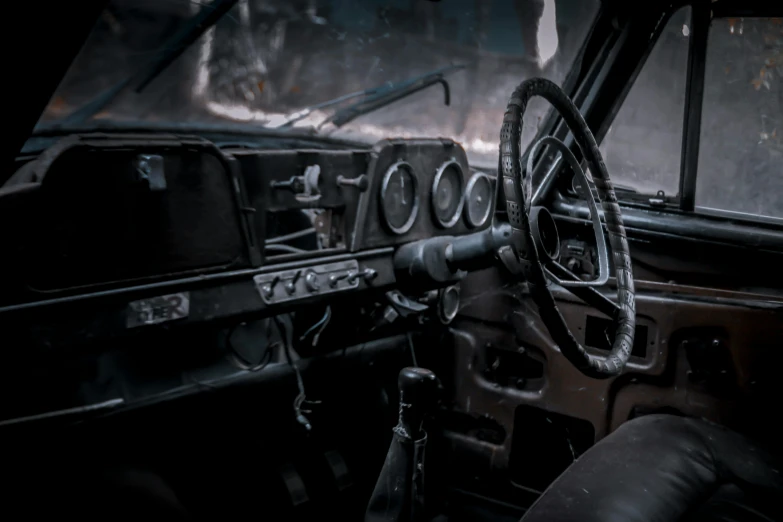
267	59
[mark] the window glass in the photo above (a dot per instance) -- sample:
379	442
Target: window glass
267	60
741	146
643	145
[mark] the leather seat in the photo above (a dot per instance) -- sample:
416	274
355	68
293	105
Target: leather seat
666	468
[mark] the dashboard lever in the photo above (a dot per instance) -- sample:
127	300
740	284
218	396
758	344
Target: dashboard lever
294	184
361	182
446	259
404	306
290	286
368	274
336	278
268	289
305	187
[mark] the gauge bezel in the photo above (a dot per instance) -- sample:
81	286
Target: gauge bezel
466	204
461	201
416	203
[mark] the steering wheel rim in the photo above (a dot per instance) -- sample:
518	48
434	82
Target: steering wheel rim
517	190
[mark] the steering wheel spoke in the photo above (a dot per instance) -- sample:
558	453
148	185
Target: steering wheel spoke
588	294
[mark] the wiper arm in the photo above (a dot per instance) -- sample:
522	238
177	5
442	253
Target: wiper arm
391	93
378	97
207	17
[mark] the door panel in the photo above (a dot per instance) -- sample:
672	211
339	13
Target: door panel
700	356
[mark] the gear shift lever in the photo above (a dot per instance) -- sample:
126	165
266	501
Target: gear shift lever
398	493
417	388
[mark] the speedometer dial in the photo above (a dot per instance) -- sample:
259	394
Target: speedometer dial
399	197
447	197
478	200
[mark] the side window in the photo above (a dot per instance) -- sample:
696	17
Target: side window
741	147
642	148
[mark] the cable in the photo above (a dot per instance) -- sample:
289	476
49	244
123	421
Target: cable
292	235
301	398
283	333
284	248
320	326
413	350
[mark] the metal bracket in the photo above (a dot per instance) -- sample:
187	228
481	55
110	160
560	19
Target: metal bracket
311	192
150	169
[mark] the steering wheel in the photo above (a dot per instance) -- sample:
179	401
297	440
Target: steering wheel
534	242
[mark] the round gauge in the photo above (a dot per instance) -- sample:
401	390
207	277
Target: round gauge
399	197
447	194
478	200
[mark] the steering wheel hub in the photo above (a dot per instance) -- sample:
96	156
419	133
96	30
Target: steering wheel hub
544	230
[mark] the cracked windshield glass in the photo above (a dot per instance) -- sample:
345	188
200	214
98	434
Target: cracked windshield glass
316	66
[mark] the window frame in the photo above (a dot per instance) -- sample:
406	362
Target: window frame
684	203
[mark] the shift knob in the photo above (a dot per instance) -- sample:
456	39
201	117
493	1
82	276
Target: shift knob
418	388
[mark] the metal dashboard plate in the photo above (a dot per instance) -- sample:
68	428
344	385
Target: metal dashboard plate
156	310
289	285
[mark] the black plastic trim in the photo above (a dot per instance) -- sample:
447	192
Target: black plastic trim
690	226
216	278
694	93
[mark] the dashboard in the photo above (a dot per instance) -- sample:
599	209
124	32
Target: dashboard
105	234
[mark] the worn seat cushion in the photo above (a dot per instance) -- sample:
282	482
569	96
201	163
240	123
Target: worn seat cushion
666	468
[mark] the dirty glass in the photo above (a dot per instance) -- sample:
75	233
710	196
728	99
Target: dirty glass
643	145
741	152
267	59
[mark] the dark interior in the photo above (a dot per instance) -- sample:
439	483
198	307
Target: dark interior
194	329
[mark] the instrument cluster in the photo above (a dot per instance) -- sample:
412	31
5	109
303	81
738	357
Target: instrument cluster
419	189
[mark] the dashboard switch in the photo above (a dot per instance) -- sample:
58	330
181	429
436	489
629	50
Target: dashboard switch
301	283
311	281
